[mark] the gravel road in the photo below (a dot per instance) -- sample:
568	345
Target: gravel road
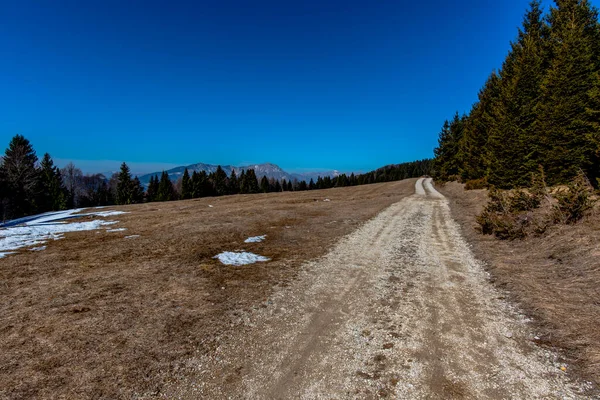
399	309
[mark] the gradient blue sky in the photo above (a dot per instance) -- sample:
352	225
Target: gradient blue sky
347	85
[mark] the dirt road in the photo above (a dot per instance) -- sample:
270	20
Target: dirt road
399	308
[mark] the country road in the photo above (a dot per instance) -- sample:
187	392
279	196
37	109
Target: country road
399	309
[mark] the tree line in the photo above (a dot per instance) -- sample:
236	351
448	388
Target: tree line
541	109
29	186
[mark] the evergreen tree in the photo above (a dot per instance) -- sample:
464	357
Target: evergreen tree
290	186
277	186
251	181
166	191
481	121
186	186
311	184
137	191
53	193
447	157
152	191
20	177
124	186
284	185
233	184
264	184
569	141
243	183
220	181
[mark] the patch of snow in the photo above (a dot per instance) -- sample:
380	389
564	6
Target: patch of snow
14	238
41	248
241	258
55	216
255	239
132	236
2	255
116	230
210	205
326	200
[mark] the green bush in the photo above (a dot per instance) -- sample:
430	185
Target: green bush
574	201
519	200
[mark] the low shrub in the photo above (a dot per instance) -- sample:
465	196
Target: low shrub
474	184
520	200
573	201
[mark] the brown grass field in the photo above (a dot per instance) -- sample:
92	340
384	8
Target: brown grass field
555	278
100	316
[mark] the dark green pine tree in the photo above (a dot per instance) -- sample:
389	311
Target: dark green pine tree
277	186
124	186
311	184
569	141
186	186
264	184
251	181
220	181
290	187
53	196
480	122
166	191
243	183
593	114
195	185
152	191
233	184
515	139
21	178
284	185
137	191
447	154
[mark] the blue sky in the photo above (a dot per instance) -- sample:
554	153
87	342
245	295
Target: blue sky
347	85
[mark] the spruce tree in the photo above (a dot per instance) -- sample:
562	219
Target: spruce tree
447	157
53	193
166	191
243	183
251	181
220	181
21	178
569	141
264	184
186	186
481	121
137	191
233	183
124	186
284	185
152	191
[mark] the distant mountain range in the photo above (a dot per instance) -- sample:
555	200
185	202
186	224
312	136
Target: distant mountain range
267	169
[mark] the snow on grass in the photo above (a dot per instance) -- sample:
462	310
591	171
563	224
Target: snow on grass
116	230
326	200
2	255
14	238
36	230
239	258
56	216
132	236
255	239
41	248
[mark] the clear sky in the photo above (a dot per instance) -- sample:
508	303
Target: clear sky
347	85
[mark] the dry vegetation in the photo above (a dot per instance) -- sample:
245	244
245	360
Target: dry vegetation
554	277
99	316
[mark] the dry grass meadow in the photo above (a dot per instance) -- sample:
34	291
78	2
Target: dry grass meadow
100	316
